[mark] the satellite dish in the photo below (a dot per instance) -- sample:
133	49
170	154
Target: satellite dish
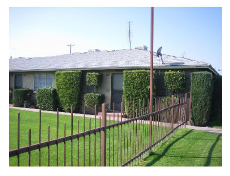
159	54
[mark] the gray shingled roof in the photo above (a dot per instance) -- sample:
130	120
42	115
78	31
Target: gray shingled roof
118	59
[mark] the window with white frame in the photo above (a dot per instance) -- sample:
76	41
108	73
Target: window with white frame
43	80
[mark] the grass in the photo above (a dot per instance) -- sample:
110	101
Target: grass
30	120
188	148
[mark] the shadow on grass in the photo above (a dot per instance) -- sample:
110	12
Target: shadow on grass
167	148
209	158
171	156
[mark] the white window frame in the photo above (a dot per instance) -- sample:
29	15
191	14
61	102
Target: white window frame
46	76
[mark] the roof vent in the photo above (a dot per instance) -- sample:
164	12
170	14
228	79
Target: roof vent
143	47
94	50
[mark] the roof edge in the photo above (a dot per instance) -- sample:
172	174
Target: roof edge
120	68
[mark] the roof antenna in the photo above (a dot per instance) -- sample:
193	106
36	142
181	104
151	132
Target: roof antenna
130	35
183	54
159	54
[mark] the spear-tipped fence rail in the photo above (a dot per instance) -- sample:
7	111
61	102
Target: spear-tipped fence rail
122	141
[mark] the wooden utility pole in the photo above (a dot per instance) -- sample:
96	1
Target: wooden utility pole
70	45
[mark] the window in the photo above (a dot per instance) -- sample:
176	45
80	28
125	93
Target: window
18	81
43	80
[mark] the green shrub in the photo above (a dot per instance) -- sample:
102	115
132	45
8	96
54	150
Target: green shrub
10	95
216	112
68	84
22	95
167	102
174	81
92	99
201	90
136	85
47	98
94	79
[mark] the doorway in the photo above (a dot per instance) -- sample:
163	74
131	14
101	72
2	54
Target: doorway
117	90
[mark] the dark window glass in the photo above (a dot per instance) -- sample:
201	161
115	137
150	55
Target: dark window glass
18	81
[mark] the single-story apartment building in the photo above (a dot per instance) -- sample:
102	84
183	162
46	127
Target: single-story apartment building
40	71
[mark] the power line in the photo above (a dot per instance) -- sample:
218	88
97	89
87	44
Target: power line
70	45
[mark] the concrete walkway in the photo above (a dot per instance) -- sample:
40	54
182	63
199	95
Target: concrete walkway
117	118
208	129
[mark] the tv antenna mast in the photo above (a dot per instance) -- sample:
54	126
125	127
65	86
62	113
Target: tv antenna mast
70	45
129	33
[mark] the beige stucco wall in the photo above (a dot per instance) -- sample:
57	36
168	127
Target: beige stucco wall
28	79
105	88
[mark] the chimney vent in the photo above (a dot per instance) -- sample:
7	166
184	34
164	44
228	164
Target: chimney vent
94	50
143	47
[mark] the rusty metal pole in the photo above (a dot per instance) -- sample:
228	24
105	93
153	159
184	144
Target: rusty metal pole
103	135
151	77
186	106
190	113
18	140
172	113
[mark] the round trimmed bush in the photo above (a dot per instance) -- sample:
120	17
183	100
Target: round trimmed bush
174	81
47	98
68	84
94	79
92	99
20	96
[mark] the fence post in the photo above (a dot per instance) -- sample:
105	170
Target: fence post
190	113
18	139
123	106
103	135
172	118
122	109
186	107
150	126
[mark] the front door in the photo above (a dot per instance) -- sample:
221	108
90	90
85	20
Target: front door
117	90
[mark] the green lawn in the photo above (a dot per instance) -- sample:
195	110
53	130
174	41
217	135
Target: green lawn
31	120
188	148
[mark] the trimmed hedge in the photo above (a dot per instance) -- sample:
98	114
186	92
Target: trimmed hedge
68	84
174	81
92	99
216	112
166	102
20	96
136	86
47	98
94	79
201	90
10	95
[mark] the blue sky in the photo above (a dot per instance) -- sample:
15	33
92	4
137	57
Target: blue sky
195	33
